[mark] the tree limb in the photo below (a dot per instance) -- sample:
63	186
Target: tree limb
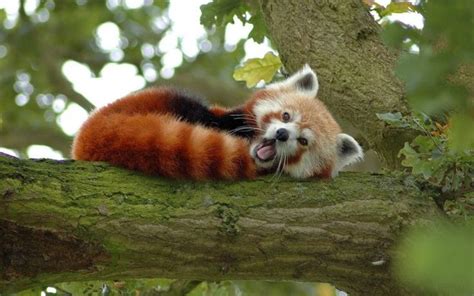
68	221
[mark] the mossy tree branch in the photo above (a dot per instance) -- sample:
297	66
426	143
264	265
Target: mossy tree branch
67	221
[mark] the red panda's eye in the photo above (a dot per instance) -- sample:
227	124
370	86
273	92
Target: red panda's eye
286	116
303	141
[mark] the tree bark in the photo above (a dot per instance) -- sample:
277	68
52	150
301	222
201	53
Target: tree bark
68	221
340	39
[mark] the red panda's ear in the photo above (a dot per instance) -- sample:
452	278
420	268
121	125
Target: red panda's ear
304	81
348	152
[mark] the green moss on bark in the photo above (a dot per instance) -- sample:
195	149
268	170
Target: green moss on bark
142	226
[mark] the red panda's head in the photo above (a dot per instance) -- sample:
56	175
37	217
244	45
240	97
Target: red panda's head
299	136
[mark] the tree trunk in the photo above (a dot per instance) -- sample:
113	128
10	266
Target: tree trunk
68	221
340	39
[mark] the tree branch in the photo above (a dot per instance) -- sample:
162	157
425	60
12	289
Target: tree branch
340	39
68	221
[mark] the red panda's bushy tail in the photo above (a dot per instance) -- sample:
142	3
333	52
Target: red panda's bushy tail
160	144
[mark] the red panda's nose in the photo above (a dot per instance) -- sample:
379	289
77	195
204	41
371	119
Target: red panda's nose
282	135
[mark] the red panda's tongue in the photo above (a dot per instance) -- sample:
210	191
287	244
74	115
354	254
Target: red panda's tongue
266	152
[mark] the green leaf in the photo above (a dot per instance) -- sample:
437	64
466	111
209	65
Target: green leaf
424	168
397	7
259	31
424	143
257	69
411	156
222	12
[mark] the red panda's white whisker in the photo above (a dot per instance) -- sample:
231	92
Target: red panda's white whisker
244	128
235	131
241	128
281	166
244	116
274	177
285	160
248	119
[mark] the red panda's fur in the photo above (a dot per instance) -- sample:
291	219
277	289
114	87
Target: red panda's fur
138	133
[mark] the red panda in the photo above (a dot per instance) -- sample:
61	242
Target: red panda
163	131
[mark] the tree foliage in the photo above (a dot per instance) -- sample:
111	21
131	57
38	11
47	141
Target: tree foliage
430	156
436	66
222	12
36	43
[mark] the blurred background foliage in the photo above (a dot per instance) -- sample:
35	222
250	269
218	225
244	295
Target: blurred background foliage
436	65
41	42
60	59
439	259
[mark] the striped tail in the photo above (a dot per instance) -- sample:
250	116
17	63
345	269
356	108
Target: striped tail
160	144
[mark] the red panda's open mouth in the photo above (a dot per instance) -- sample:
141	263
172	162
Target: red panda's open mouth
266	151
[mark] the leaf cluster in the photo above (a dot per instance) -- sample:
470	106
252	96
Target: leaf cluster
430	155
222	12
436	63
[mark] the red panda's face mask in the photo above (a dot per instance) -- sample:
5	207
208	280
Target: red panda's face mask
298	135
